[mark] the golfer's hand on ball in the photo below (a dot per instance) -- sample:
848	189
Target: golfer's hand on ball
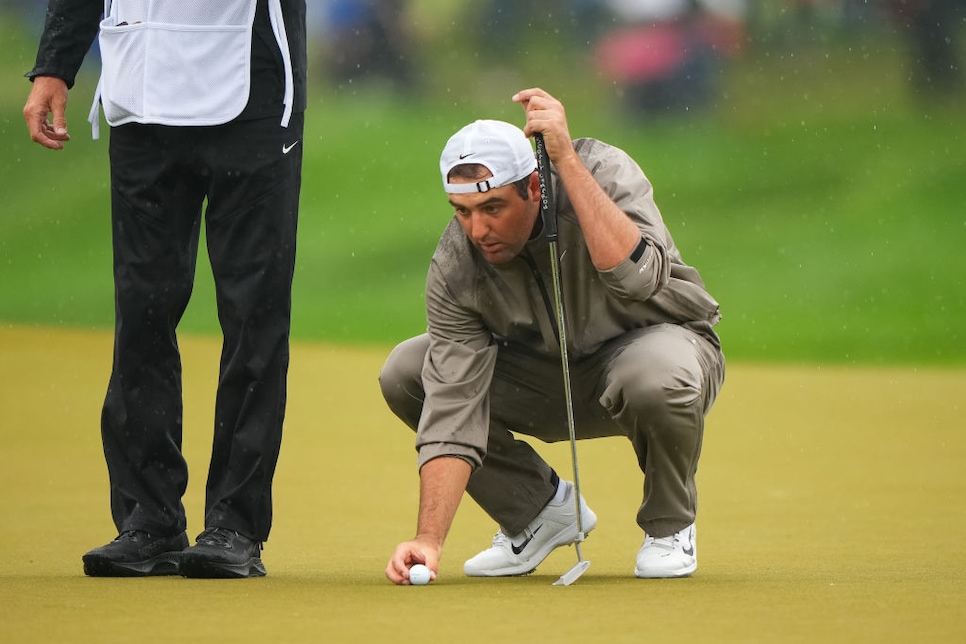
407	555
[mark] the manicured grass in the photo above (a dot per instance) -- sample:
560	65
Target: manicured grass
812	498
824	209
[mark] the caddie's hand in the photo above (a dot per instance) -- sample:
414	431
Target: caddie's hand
48	98
546	114
408	554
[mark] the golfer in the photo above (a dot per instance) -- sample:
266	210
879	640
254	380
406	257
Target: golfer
645	362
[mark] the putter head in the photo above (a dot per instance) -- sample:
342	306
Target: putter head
573	574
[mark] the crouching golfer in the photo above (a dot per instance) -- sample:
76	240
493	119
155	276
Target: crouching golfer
645	362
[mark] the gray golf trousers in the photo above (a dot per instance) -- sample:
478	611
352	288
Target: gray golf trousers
653	385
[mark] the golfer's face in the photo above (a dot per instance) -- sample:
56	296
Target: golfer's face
498	222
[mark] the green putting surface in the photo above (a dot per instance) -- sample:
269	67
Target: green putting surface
831	510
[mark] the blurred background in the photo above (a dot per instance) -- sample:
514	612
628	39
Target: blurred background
656	56
807	155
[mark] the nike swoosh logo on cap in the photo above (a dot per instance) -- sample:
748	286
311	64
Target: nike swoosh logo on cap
518	549
463	156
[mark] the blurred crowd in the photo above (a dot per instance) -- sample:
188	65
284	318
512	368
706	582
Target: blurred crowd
363	40
662	55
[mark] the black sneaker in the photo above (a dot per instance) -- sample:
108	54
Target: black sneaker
136	553
220	553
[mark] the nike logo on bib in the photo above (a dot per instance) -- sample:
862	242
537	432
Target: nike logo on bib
518	549
288	148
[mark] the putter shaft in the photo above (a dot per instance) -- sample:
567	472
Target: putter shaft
547	208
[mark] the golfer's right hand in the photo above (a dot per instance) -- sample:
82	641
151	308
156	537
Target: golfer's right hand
47	98
408	554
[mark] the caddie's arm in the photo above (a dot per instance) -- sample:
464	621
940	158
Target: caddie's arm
610	234
70	27
442	482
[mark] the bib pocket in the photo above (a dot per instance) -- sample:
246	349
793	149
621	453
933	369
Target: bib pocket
186	64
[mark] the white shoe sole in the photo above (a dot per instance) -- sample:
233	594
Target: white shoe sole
652	573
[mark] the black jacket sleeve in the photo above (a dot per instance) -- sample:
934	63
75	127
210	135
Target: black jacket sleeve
69	30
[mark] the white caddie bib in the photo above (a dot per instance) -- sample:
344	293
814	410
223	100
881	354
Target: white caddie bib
180	63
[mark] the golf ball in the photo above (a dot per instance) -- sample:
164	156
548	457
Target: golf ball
419	575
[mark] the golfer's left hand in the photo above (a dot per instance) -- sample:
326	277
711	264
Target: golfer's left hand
546	114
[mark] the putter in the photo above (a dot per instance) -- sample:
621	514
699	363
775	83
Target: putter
550	223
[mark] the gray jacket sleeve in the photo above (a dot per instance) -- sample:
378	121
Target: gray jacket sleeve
456	378
645	272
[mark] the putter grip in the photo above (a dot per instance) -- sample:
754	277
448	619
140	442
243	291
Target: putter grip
547	207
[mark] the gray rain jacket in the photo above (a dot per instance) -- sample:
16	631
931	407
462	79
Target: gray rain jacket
473	307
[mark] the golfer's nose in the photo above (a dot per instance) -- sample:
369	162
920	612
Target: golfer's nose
478	226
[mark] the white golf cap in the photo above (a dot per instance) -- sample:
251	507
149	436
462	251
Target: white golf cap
501	148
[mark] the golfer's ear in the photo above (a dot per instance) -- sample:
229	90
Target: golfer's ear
534	187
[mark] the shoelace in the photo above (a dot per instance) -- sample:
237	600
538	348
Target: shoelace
500	540
666	543
216	537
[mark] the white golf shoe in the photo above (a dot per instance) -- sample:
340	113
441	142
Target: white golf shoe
555	526
672	556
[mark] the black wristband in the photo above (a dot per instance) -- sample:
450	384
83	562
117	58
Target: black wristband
639	251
